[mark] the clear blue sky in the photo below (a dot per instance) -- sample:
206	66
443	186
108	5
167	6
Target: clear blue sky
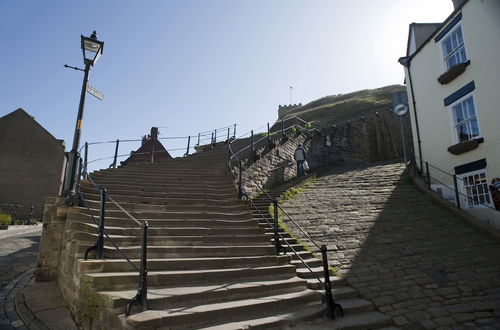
192	65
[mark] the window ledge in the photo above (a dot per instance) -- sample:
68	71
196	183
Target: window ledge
452	73
465	146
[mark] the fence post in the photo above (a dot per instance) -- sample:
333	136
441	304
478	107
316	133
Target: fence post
332	306
187	151
253	147
85	159
198	140
116	154
240	184
428	174
215	136
100	241
144	267
277	245
457	194
212	140
234	131
228	130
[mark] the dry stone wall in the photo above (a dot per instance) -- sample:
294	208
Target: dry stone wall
366	140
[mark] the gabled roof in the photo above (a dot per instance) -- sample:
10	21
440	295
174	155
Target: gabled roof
20	114
418	33
409	57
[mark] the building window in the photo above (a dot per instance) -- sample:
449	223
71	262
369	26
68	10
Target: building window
465	120
475	189
454	48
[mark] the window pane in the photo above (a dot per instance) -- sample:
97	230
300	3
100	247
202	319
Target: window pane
463	133
463	57
459	35
458	115
447	47
469	103
474	127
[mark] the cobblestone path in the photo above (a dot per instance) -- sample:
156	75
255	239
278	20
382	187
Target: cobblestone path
415	260
18	251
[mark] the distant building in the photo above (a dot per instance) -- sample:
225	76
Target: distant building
452	74
32	161
150	150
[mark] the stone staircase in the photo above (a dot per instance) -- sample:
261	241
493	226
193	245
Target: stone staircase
358	313
210	262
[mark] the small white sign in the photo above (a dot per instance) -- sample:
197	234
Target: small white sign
401	109
91	90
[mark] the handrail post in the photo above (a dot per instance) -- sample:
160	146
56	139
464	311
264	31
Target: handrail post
215	136
240	184
282	127
428	175
116	154
144	267
457	194
277	245
187	151
85	159
234	131
198	139
212	140
332	306
253	146
100	241
228	131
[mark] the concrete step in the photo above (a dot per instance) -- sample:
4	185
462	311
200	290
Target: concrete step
215	314
122	265
128	280
197	295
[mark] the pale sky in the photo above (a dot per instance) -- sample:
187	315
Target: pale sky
194	65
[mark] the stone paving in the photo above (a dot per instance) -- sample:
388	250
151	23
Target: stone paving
418	262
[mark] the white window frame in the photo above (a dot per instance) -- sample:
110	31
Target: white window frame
448	35
484	187
455	137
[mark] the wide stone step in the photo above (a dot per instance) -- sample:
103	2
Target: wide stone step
168	190
128	280
122	265
138	207
133	175
126	222
190	251
190	186
214	314
196	295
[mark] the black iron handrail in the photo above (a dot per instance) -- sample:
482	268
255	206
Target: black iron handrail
458	193
141	295
326	284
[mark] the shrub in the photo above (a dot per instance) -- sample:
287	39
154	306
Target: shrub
5	219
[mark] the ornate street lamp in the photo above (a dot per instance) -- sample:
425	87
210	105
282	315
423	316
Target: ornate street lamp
92	50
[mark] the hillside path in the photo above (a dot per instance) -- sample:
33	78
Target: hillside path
415	260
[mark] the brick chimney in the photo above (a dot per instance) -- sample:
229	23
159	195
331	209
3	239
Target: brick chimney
154	133
457	3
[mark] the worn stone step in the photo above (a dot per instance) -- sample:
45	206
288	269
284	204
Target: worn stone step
196	295
214	314
122	265
189	251
313	283
128	280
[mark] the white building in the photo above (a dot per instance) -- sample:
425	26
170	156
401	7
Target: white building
452	74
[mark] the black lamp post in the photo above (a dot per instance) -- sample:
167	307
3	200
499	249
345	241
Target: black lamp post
92	50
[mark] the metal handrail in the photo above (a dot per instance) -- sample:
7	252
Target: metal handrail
455	188
326	284
141	295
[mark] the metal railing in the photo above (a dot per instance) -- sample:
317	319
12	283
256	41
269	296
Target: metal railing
142	292
21	212
278	237
459	194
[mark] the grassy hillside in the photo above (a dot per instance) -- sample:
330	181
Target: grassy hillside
338	108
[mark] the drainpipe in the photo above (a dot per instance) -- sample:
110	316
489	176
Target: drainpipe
406	62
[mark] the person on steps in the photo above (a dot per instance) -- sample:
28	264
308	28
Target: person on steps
300	157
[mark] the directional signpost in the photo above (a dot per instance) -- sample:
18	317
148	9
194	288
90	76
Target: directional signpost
401	110
93	91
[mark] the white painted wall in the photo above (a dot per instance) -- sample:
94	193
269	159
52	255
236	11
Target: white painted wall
481	30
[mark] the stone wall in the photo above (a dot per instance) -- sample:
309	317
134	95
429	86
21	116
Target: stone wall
371	139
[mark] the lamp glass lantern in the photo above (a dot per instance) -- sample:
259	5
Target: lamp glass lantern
92	49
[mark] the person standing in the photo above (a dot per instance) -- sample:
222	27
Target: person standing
300	157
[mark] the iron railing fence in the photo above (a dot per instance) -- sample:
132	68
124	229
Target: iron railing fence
142	291
278	237
25	213
181	146
482	196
